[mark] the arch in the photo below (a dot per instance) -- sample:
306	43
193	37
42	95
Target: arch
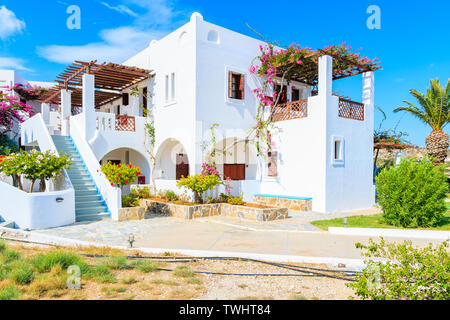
129	156
172	160
213	36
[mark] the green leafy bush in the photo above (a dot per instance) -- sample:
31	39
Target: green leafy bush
10	293
131	200
143	193
171	196
7	145
413	193
408	273
236	201
45	262
120	174
199	184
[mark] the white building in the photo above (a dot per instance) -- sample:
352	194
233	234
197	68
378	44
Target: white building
198	76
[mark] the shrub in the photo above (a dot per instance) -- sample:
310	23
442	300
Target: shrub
10	293
7	145
408	274
146	266
131	200
183	271
22	273
171	196
116	262
199	184
120	174
64	259
2	245
236	201
413	193
143	193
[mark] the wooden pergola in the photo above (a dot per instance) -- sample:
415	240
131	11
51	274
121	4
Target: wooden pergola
110	80
308	71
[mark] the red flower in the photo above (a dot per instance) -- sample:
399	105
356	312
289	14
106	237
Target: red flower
119	166
112	184
131	166
126	182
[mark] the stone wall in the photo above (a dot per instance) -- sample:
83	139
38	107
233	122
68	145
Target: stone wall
208	210
291	204
128	214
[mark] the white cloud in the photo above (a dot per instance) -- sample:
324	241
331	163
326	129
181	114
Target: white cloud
9	24
117	46
121	9
153	20
13	63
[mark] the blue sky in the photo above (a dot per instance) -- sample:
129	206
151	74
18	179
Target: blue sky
412	44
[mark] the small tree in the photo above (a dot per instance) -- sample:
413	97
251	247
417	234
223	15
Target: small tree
403	272
412	194
33	165
121	174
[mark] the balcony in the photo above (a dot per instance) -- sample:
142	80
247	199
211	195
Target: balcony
112	122
290	110
351	110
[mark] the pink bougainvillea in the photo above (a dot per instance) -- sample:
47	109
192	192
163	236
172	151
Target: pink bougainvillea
12	110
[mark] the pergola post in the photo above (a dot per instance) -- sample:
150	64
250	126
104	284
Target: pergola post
368	88
88	105
66	111
325	75
45	111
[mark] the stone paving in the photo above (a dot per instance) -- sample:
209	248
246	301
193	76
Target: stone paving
117	233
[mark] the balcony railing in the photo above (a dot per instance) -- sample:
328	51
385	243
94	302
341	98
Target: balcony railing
125	123
351	110
290	110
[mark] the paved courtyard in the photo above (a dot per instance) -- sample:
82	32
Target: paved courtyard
293	236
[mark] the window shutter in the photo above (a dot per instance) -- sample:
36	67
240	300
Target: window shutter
125	99
273	164
242	86
230	84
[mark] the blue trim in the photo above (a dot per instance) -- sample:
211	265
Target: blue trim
282	197
90	176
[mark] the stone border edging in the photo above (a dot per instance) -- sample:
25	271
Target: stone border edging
31	236
395	233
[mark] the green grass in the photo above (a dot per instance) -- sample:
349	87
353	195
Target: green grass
146	266
10	293
183	271
376	221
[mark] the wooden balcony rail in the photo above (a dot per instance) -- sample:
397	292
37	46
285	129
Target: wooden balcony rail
351	110
290	110
125	123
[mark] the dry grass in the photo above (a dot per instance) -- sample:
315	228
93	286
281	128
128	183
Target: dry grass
109	278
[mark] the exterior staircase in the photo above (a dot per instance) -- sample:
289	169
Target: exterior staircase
89	204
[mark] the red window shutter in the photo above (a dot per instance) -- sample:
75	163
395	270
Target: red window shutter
230	84
242	86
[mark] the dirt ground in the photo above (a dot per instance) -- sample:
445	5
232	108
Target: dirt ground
169	285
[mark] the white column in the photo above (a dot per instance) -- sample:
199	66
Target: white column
88	100
368	88
325	75
66	111
45	111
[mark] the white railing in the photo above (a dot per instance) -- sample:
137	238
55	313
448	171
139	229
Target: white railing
110	194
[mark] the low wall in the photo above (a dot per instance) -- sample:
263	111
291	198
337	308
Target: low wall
207	210
37	210
292	203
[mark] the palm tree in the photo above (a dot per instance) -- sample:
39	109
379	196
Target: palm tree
434	111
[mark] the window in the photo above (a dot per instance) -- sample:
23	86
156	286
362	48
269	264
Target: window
167	88
283	97
144	101
172	86
236	86
234	171
295	94
338	156
125	99
213	36
182	167
272	165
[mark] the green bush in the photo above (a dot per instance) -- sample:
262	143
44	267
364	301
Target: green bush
7	145
10	293
199	184
171	196
146	266
45	262
143	193
236	201
413	193
22	273
131	200
407	273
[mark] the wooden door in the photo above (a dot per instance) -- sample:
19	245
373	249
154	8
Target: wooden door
234	171
182	169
